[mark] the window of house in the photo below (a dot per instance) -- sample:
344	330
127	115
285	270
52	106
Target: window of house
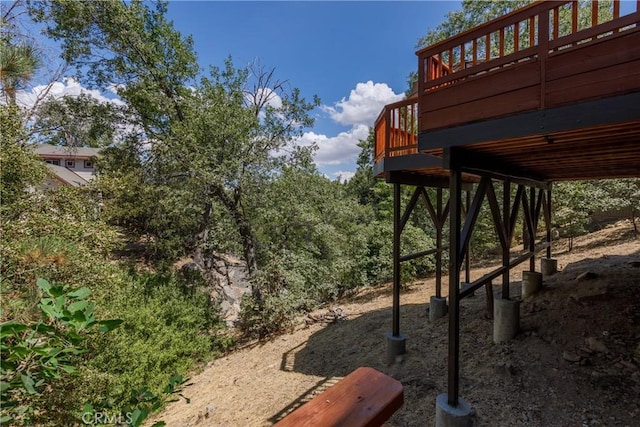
88	164
71	163
53	162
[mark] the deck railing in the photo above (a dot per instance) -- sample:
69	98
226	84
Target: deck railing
535	31
396	129
542	41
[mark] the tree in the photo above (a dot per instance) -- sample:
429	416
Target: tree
78	121
620	194
199	145
472	14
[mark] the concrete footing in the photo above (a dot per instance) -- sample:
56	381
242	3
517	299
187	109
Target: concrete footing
396	346
506	319
437	308
531	283
453	416
548	266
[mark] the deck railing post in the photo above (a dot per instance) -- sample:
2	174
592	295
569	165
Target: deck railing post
543	51
387	134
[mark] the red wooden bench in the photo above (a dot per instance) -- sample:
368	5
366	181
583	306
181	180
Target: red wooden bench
365	397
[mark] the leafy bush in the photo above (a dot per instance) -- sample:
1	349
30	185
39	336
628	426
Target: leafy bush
36	353
166	329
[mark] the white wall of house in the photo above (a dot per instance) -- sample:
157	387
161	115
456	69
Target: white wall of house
85	168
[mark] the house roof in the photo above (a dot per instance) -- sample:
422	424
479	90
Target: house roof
47	150
67	176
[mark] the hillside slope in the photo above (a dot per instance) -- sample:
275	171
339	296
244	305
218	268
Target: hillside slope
576	361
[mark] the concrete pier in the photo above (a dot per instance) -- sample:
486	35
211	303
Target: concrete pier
437	308
548	266
506	319
396	346
531	283
453	416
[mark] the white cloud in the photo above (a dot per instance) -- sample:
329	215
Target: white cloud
343	175
359	112
68	87
364	104
340	149
265	96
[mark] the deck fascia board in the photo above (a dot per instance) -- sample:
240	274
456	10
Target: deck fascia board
617	109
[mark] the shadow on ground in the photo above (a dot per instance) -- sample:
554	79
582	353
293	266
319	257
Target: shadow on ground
529	381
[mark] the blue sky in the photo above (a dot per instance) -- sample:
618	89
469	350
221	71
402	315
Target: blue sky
355	56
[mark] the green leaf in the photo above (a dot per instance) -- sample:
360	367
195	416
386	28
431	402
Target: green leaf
77	306
11	328
5	419
159	424
44	285
60	303
109	325
80	293
28	383
68	369
48	310
138	416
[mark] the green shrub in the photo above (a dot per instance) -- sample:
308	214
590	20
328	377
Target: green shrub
166	329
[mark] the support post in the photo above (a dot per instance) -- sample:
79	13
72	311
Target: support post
396	343
451	410
454	284
548	221
548	265
467	257
506	226
396	259
531	226
438	223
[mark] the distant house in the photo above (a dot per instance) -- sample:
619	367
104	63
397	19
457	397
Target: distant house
74	166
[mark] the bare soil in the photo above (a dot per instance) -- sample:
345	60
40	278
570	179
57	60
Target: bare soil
575	362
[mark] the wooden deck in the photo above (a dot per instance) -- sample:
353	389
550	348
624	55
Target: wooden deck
550	91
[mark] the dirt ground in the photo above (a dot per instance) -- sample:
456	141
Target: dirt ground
575	362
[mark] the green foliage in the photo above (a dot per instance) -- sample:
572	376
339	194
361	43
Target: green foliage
38	352
142	402
77	121
20	170
166	329
472	14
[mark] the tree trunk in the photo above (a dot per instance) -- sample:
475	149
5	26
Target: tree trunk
203	236
244	228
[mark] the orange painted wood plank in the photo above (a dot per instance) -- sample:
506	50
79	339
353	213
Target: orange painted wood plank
364	398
